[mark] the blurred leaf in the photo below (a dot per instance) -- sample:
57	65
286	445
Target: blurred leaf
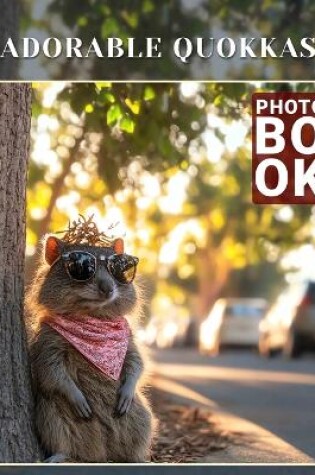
149	93
134	106
114	114
109	27
127	124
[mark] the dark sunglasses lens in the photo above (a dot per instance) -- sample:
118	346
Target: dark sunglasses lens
80	265
123	268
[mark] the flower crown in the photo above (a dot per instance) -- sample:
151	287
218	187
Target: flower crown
85	231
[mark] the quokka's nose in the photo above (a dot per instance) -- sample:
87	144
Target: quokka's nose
105	287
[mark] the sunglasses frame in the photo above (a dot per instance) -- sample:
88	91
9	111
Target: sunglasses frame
104	259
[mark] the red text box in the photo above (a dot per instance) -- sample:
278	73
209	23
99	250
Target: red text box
283	135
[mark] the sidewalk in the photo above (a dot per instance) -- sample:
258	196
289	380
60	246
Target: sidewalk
185	433
195	429
253	444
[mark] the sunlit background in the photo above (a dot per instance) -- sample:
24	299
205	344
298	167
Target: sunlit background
170	166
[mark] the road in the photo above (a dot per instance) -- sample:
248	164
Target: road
276	394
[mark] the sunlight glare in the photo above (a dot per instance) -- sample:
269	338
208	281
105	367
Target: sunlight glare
189	88
176	196
68	204
38	213
285	214
112	222
150	185
169	251
236	134
50	94
299	264
83	180
214	146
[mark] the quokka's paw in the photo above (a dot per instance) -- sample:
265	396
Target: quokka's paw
80	404
124	399
56	458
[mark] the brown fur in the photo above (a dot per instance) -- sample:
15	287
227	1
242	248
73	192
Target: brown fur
60	371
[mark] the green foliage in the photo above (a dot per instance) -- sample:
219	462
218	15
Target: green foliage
168	20
110	138
138	120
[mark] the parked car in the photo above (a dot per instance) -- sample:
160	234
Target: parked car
161	333
289	325
173	330
232	322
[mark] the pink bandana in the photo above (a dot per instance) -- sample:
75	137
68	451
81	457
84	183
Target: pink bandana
103	342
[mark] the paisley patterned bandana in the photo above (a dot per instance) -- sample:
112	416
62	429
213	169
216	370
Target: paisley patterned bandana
102	342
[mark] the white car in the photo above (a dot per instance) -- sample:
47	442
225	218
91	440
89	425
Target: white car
232	322
167	331
289	325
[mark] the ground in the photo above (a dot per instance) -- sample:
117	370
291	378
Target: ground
185	433
277	395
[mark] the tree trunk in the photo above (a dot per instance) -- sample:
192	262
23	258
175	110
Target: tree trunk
212	274
9	27
17	440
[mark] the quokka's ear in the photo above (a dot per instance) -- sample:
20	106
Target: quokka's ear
52	249
119	246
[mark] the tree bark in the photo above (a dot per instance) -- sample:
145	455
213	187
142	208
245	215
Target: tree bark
17	439
212	275
9	26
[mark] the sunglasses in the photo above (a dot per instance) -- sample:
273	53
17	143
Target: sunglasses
81	266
